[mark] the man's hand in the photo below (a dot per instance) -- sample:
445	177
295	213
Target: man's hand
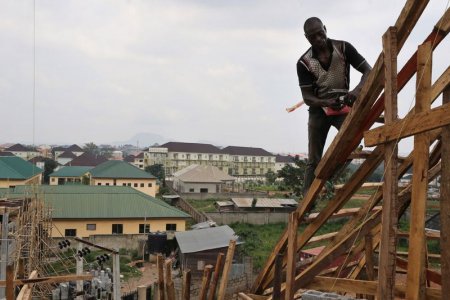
334	104
351	97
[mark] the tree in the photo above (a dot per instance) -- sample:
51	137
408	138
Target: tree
91	148
157	170
49	166
271	176
293	176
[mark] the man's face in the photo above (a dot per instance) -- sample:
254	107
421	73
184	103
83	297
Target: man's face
316	35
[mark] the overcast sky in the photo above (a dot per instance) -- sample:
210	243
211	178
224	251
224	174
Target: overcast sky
191	71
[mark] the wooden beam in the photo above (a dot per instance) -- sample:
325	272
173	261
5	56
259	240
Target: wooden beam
226	270
186	292
436	117
291	255
386	276
361	287
416	275
170	288
160	267
215	279
432	275
9	291
50	279
445	200
205	282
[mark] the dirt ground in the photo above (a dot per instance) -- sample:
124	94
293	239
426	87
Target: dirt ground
149	276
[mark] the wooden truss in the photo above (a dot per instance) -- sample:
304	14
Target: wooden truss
370	231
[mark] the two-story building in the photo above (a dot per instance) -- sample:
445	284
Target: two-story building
22	151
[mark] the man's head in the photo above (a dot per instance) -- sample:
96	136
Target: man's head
315	32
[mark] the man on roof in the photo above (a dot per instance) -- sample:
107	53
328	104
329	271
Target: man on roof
324	77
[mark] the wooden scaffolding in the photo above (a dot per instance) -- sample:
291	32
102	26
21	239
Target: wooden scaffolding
370	231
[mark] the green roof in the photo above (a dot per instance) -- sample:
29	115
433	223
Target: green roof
70	171
13	167
97	202
119	169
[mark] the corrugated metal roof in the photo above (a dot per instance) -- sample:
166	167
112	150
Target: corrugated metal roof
264	202
86	159
13	167
119	169
65	171
205	239
224	203
98	202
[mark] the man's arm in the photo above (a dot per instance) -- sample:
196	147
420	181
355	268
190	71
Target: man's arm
365	70
360	64
312	100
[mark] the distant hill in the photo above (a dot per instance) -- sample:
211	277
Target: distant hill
144	139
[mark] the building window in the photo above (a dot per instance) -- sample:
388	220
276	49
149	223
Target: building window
117	228
129	184
144	228
188	156
99	183
149	185
220	157
135	185
191	190
91	226
124	184
70	232
171	227
53	179
107	183
142	185
236	158
254	171
210	157
203	190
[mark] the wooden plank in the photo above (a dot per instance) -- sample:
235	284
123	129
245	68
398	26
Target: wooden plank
9	291
215	279
291	255
436	117
170	288
50	279
361	287
362	119
445	200
368	249
186	292
160	267
416	275
226	270
388	243
26	291
205	282
432	275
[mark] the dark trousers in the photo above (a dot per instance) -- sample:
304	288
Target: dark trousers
318	126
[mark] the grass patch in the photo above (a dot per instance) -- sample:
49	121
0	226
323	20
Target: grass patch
206	205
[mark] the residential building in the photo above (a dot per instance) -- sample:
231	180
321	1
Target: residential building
202	179
15	171
121	173
181	155
282	160
87	160
82	210
22	151
69	175
248	163
137	160
38	161
75	149
65	157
